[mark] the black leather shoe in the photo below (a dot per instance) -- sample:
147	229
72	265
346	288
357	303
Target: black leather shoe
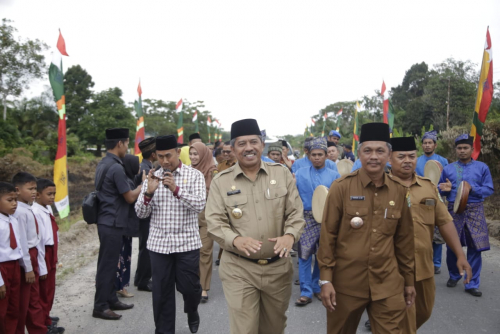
368	325
106	315
204	299
217	262
120	306
451	283
148	287
56	330
56	319
193	321
437	270
475	292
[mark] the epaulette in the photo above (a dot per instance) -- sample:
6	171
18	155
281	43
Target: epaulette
397	180
225	171
424	178
342	178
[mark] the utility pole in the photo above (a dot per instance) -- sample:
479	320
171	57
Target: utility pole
448	107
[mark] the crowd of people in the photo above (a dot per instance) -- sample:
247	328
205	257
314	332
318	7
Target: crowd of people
376	248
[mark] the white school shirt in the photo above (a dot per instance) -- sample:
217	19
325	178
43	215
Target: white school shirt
7	253
43	217
26	219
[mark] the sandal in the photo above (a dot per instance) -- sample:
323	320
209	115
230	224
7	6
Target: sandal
318	295
124	293
303	301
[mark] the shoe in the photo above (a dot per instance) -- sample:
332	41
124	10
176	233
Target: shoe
56	319
120	306
303	301
475	292
106	315
124	293
297	282
55	330
204	299
451	283
318	296
148	287
193	321
437	270
368	325
293	253
217	262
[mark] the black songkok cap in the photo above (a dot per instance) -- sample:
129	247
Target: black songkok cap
148	144
284	143
330	144
164	143
403	144
245	127
116	133
375	132
195	135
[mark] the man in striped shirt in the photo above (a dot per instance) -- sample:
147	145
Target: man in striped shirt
173	196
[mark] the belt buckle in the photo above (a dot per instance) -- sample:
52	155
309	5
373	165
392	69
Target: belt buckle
262	262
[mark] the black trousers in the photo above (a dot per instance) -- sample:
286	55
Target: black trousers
109	253
173	270
143	271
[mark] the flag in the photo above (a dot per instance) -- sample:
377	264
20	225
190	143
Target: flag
195	121
208	128
385	98
180	127
355	136
484	96
313	122
391	116
324	124
56	79
339	113
140	132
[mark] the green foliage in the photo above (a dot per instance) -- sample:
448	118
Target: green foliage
77	90
20	63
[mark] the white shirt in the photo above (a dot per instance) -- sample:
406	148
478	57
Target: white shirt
7	253
26	219
42	215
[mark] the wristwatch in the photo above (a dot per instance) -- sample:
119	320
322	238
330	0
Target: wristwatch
148	195
321	283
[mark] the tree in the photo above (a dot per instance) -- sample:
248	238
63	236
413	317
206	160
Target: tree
77	91
107	110
20	63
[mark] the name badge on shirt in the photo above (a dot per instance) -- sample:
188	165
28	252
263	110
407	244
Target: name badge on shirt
430	202
234	192
357	198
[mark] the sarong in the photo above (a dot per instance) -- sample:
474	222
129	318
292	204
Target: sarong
309	240
473	217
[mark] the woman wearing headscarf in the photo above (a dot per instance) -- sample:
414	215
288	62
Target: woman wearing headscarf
132	167
202	160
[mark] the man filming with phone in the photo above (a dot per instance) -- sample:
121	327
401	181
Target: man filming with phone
173	195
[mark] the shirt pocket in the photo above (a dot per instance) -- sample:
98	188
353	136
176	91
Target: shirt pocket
237	202
352	212
390	222
427	213
276	198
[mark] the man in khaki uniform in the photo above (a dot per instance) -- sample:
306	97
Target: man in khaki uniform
254	212
427	210
366	252
228	156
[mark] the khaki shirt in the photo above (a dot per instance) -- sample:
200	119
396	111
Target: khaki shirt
427	210
377	259
271	207
225	165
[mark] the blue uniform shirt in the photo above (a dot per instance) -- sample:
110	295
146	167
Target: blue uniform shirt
422	160
266	159
310	178
305	162
476	173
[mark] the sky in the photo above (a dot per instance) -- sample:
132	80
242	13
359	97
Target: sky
277	61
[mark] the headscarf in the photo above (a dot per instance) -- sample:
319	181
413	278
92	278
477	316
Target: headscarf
206	164
131	164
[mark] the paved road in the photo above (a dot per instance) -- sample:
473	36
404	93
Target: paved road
454	312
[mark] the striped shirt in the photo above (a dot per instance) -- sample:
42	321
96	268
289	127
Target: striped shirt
174	215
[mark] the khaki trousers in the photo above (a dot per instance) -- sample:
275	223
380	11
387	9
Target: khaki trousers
421	311
257	295
206	253
385	314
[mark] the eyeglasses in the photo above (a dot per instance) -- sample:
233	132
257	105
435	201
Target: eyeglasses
226	152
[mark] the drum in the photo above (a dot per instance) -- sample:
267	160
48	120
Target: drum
462	197
318	202
344	166
433	170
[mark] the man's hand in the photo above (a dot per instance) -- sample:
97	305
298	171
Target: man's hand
464	268
3	291
30	277
247	245
283	244
328	297
43	278
169	181
153	182
410	295
287	161
446	186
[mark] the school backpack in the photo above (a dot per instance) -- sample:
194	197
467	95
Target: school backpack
90	205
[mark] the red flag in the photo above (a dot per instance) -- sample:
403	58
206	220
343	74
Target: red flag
139	89
386	103
61	45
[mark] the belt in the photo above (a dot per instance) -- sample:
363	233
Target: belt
258	261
